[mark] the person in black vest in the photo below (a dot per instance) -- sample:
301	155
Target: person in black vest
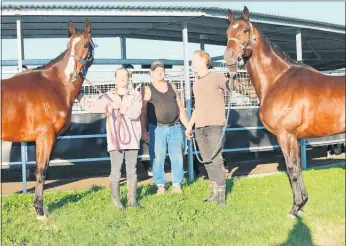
163	109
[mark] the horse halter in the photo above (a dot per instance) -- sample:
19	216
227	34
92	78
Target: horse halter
89	57
249	43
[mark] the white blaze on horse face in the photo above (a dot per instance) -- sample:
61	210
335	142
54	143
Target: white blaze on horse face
235	26
71	61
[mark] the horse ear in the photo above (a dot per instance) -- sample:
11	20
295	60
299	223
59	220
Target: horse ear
245	14
87	26
230	16
71	28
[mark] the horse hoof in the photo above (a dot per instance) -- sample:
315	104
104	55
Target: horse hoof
292	216
300	212
41	214
41	217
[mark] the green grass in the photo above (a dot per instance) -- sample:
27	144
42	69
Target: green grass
256	214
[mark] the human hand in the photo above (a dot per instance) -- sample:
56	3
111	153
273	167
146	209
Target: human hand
188	133
145	137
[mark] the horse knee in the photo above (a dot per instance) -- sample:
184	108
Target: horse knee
40	177
292	172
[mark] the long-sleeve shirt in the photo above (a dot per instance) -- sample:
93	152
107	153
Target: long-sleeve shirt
209	100
130	125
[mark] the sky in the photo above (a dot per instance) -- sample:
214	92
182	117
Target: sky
332	12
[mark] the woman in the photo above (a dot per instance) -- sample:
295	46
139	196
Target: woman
209	118
122	106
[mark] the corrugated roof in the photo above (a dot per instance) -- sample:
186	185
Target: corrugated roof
323	43
157	7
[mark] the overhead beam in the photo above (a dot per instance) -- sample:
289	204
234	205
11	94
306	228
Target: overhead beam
52	32
209	22
173	34
64	26
318	57
196	29
93	19
320	51
217	58
325	35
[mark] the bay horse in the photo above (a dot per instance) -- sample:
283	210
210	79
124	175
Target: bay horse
295	99
36	104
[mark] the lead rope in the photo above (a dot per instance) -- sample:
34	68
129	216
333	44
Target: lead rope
223	130
120	119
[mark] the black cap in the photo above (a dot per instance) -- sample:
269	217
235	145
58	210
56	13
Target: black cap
156	64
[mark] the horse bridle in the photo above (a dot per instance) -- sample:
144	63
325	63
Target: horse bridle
249	43
89	57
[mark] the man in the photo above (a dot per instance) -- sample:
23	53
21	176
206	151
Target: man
165	113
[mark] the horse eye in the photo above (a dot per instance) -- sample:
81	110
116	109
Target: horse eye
86	45
246	30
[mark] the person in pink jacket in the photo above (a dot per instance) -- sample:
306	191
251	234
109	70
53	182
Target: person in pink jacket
122	106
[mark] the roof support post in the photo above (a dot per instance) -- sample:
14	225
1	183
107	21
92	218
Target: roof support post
20	55
299	45
202	44
188	95
20	43
123	48
300	59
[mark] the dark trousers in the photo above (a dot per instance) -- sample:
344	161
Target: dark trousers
208	139
117	158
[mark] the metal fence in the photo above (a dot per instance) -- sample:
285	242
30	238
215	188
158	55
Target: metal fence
243	97
243	94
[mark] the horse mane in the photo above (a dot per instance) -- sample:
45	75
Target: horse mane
277	51
51	62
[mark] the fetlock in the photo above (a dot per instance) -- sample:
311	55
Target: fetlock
115	195
132	194
213	192
221	195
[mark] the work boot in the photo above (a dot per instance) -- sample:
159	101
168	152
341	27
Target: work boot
177	189
213	192
160	190
221	195
115	194
132	194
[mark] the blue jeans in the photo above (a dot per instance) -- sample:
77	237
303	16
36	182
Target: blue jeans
162	137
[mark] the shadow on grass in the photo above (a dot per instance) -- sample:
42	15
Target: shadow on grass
72	198
229	185
299	235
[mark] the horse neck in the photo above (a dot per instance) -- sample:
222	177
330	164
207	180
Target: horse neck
70	89
264	65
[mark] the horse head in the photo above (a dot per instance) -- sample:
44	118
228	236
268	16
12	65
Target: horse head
240	39
80	50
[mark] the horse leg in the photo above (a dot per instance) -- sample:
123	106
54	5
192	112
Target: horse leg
289	145
297	173
44	146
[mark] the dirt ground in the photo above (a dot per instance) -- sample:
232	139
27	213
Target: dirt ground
83	176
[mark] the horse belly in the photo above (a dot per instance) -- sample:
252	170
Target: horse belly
324	118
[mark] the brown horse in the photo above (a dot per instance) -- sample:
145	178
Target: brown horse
36	105
296	101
